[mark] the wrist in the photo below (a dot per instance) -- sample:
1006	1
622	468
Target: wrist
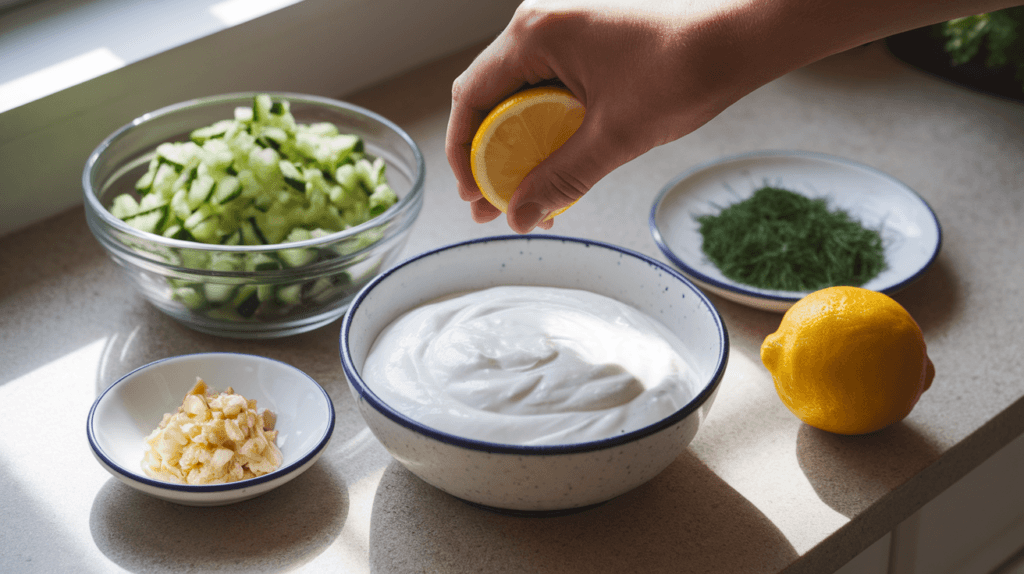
793	33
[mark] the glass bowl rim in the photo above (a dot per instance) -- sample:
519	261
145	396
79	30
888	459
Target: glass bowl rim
109	221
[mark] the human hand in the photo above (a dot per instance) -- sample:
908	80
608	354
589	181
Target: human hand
646	73
651	71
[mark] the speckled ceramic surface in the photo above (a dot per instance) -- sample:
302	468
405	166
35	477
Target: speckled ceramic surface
537	478
124	415
911	235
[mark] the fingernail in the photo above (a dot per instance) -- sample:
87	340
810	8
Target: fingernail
530	214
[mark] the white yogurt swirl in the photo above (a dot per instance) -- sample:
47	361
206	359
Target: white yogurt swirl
530	366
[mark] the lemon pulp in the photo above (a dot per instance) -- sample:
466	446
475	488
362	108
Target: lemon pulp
517	135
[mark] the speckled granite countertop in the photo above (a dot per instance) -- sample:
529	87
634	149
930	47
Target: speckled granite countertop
756	492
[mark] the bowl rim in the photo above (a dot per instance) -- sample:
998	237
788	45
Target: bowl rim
93	204
124	473
537	450
774	296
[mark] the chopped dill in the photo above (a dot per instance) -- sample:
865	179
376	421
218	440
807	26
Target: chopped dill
781	240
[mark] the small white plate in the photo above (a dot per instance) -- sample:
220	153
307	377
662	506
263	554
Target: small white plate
128	411
911	235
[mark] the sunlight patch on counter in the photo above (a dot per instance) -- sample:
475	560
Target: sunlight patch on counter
350	550
747	428
37	410
59	76
233	12
356	445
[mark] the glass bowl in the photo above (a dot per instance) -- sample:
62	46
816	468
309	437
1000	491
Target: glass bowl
170	272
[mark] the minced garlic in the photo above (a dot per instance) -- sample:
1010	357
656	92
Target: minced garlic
211	439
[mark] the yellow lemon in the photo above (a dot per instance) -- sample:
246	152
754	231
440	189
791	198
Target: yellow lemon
517	135
848	360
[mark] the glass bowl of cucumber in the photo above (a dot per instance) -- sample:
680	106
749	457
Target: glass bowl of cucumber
254	215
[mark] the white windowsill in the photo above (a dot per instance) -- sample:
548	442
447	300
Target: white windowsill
73	71
58	44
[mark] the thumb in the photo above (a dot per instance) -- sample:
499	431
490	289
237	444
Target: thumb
560	180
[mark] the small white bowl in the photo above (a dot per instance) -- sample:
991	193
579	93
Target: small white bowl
128	411
549	479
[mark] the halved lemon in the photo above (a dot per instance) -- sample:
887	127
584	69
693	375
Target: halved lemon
517	135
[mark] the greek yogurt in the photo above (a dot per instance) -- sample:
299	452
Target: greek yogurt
530	365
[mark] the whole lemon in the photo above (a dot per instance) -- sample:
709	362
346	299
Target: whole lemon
848	360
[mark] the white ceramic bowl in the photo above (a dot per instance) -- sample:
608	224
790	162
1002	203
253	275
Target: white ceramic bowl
536	479
128	411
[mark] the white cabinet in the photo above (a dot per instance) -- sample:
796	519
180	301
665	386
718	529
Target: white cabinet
874	560
975	527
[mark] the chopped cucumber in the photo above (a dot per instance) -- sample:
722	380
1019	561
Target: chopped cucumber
251	233
199	191
201	214
194	259
145	183
206	230
163	180
149	221
177	232
319	287
228	188
233	239
261	108
217	130
298	256
381	199
246	300
291	294
243	115
265	292
258	178
177	155
261	262
124	207
180	206
151	202
292	175
190	297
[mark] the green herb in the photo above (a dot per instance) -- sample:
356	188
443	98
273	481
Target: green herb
781	240
996	35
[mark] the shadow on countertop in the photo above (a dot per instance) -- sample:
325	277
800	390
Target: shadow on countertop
674	523
935	300
277	531
852	473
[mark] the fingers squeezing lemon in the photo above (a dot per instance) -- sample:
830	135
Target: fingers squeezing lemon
517	135
848	360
